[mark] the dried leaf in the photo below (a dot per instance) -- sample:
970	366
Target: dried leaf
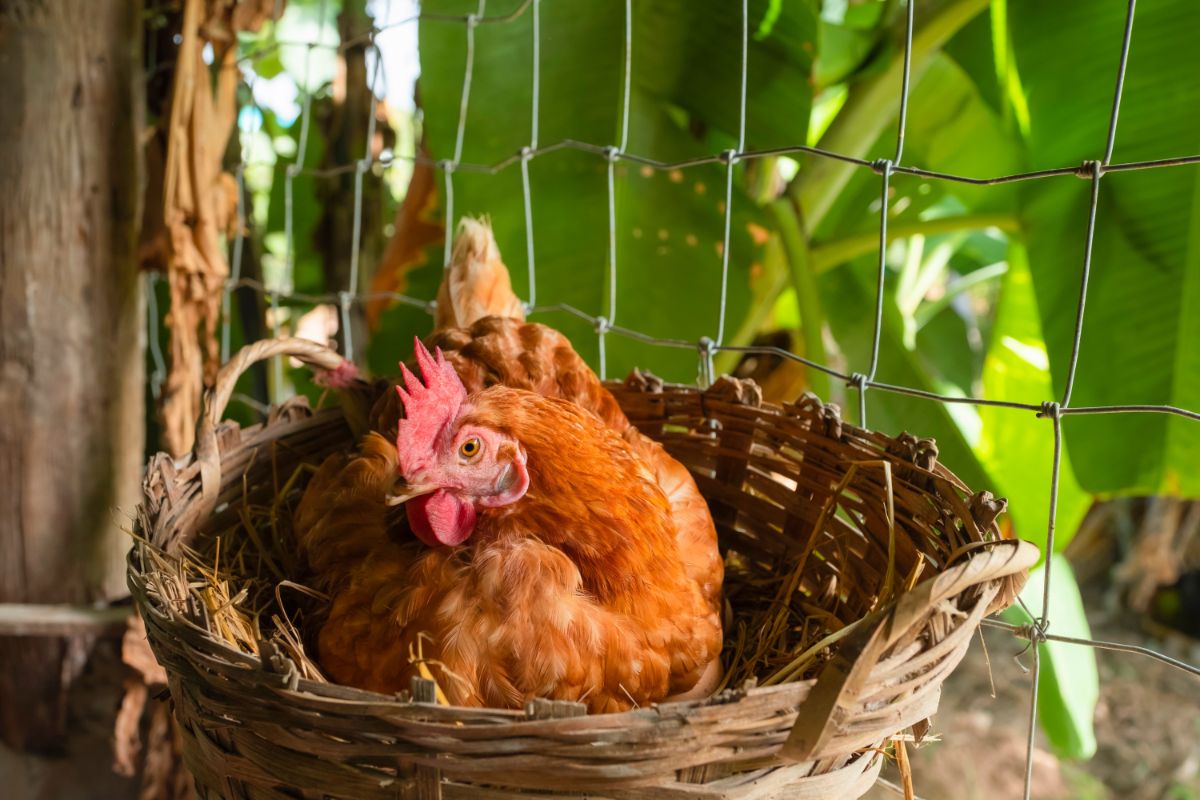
224	18
198	206
127	733
164	775
127	736
136	652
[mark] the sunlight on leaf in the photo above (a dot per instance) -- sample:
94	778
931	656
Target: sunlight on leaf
1017	448
1006	68
774	9
1032	353
826	106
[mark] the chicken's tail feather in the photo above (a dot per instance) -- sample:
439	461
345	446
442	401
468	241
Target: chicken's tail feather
476	283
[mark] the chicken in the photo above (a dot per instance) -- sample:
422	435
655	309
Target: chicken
545	548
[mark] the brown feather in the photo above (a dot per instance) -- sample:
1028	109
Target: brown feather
476	284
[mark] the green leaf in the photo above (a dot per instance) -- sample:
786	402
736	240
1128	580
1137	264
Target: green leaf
669	224
774	8
1017	448
268	66
843	50
1068	685
951	128
688	54
807	296
1143	303
972	49
871	108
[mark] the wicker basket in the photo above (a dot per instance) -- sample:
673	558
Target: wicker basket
783	483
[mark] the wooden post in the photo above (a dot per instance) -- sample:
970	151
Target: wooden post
344	125
71	320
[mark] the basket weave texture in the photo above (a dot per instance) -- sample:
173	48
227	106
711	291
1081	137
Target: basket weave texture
856	516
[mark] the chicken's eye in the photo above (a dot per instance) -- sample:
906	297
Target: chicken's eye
470	448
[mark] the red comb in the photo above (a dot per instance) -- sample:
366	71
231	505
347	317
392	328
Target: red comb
428	406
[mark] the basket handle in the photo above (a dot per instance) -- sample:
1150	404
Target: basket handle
841	681
208	455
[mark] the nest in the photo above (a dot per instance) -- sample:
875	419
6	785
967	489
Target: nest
858	568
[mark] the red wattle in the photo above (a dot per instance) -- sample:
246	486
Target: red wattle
441	518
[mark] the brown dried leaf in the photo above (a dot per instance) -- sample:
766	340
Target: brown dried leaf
198	206
136	652
164	776
224	18
127	735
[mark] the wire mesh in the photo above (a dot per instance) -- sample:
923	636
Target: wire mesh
604	321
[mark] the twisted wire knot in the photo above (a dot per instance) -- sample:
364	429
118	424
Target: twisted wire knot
446	165
882	166
1050	409
611	152
525	153
857	381
728	156
602	325
1090	169
706	346
1035	631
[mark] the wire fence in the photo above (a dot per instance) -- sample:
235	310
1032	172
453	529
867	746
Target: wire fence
604	321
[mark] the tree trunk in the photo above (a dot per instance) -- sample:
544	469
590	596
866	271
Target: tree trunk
344	120
71	320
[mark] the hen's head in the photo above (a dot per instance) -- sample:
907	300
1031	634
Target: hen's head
452	468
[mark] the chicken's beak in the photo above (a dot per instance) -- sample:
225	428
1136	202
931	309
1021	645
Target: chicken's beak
406	491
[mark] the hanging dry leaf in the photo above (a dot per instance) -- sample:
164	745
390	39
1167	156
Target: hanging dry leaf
224	18
199	203
164	776
136	652
127	730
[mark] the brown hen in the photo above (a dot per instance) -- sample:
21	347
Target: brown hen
550	549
